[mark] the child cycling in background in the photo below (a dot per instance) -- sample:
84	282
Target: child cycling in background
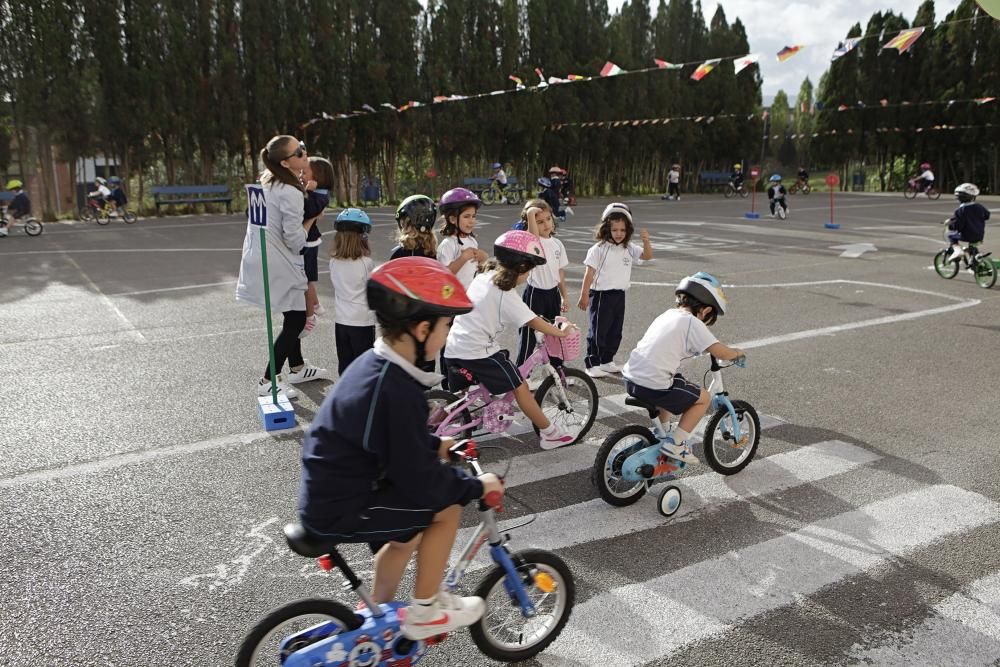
968	224
500	176
473	353
370	470
101	193
926	179
605	281
19	207
318	177
350	266
803	176
117	196
415	219
651	373
776	194
736	177
545	292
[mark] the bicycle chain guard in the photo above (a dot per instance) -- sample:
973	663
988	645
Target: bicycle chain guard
498	416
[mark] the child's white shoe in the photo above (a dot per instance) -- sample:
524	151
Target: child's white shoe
307	373
680	452
445	614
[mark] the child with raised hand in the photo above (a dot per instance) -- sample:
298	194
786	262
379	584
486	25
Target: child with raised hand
370	470
318	178
459	249
473	352
415	219
651	374
350	266
605	281
545	292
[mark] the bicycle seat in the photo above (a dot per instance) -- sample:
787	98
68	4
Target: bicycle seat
304	543
648	407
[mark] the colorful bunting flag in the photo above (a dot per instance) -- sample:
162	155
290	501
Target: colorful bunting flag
438	99
610	69
741	64
844	47
843	107
517	80
788	52
904	40
575	77
369	108
541	77
705	68
804	107
884	102
984	100
663	64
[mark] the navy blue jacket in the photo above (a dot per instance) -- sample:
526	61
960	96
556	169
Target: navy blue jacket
313	206
400	251
370	435
970	221
20	205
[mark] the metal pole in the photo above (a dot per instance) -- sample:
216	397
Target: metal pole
267	314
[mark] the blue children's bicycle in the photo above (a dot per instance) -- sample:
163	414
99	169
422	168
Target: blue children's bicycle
730	441
529	597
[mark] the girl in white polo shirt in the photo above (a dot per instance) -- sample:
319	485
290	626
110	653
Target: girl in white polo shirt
545	292
609	271
350	266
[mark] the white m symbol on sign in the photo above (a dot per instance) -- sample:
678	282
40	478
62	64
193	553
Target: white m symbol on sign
256	206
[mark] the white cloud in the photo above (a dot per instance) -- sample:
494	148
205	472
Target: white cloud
819	26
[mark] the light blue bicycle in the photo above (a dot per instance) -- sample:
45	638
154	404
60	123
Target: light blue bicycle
730	441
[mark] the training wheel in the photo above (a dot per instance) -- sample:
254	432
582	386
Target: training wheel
670	501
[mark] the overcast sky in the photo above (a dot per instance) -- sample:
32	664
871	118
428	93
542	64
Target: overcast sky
819	25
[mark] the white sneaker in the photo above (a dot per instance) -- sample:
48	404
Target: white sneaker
264	389
681	452
308	373
447	613
611	367
557	438
596	372
956	253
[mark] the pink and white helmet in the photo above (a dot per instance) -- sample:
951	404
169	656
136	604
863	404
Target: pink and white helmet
518	247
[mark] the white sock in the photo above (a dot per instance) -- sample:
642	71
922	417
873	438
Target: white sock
426	603
550	430
664	427
680	435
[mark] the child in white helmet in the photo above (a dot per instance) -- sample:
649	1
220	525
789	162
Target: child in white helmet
968	224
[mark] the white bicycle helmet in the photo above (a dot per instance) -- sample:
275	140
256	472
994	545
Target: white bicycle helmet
619	208
966	192
704	288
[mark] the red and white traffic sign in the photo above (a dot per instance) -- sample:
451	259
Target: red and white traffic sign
832	180
755	172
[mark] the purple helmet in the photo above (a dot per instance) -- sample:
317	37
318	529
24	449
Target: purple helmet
456	199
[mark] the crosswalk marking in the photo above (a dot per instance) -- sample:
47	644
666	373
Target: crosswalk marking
634	624
963	629
596	520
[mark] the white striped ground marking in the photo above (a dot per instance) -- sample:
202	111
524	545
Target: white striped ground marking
596	520
634	624
964	629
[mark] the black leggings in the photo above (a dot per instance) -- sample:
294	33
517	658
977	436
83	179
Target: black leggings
288	346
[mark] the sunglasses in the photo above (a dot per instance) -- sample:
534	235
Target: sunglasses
299	152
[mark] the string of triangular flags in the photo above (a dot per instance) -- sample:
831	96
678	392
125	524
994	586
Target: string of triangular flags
884	103
901	42
709	119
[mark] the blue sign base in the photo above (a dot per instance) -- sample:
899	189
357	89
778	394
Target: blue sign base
832	225
276	416
751	216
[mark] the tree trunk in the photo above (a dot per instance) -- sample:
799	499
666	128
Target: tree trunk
44	154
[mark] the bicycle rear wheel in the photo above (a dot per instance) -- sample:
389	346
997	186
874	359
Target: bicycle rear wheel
933	193
504	633
729	191
263	645
744	192
437	402
944	268
985	271
102	217
129	216
513	196
607	471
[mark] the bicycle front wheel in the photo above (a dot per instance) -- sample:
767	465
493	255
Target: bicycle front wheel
129	217
504	633
729	191
946	269
86	214
910	192
723	453
488	196
780	210
576	414
32	227
263	645
986	272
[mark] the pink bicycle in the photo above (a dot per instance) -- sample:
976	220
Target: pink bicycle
567	396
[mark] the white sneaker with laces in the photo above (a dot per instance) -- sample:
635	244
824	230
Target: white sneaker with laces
596	372
308	373
956	253
557	438
264	389
447	613
680	452
611	367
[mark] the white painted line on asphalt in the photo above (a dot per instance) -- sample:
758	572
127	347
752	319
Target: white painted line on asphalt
131	458
71	251
596	520
963	628
648	621
129	327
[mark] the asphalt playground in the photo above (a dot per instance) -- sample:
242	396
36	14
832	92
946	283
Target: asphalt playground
142	502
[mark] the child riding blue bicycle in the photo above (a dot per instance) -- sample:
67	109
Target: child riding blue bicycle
968	224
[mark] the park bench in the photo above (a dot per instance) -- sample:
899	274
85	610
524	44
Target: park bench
169	195
712	180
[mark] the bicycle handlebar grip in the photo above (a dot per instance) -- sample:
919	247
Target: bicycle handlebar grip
741	361
493	499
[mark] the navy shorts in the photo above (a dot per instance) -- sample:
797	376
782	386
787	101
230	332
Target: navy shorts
310	259
497	373
681	395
